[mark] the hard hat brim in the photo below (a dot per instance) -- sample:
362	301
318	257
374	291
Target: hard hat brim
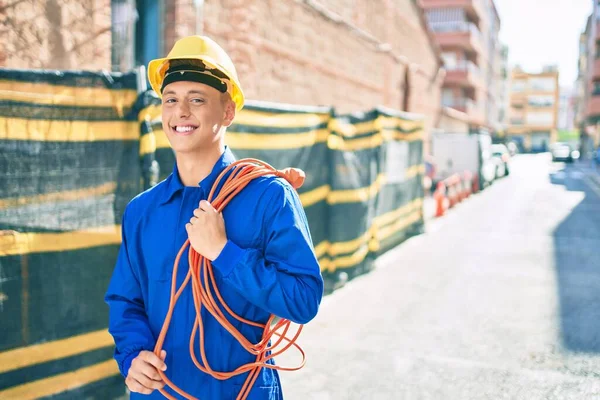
158	67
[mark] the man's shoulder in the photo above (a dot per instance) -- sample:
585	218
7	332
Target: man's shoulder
147	199
271	188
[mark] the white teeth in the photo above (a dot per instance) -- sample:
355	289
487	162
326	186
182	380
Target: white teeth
183	129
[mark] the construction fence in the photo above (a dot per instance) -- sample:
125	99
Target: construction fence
75	147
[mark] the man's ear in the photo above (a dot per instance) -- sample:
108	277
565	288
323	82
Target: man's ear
229	113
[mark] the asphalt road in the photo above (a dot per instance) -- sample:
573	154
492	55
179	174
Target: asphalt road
499	299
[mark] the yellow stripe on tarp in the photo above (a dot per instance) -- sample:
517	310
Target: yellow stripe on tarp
356	195
400	224
391	216
321	248
360	254
259	141
349	261
62	382
314	196
350	130
333	249
407	137
45	93
150	113
283	120
67	195
244	141
67	131
284	141
54	350
150	142
340	143
14	243
414	170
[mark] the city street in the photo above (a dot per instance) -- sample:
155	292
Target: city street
499	299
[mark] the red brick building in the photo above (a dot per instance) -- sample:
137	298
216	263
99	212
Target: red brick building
353	55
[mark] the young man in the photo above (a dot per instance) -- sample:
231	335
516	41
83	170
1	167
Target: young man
260	248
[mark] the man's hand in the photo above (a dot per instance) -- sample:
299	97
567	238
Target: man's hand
143	374
206	231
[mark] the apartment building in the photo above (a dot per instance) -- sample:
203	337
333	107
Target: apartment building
533	109
587	85
467	32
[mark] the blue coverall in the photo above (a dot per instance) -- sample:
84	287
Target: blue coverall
268	266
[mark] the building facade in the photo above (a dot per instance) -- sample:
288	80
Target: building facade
566	109
580	91
587	85
533	109
503	91
353	55
467	32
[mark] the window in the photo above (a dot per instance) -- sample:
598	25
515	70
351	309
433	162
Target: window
542	84
447	97
124	17
596	89
541	101
519	85
450	60
540	118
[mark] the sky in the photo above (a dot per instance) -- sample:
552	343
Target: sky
542	32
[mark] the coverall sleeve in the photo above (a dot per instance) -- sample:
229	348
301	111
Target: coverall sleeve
128	322
283	278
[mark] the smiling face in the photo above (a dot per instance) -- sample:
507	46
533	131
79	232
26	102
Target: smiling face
195	115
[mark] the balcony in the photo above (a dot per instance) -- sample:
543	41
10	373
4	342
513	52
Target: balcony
461	34
473	8
593	106
464	74
517	102
596	71
473	110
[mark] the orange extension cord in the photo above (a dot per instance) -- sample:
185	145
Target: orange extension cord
248	169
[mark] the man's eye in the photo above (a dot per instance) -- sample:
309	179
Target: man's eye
170	100
197	101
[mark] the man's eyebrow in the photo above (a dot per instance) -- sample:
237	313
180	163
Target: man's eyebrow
196	91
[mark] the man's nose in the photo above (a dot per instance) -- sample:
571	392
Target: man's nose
183	109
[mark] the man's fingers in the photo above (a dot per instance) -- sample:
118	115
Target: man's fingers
206	206
149	383
163	354
136	387
193	220
153	359
198	212
149	371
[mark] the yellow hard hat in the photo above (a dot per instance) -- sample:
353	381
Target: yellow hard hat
218	65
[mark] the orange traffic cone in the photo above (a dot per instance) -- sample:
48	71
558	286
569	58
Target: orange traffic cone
440	196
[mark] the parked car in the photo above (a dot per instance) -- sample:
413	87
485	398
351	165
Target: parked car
563	152
501	156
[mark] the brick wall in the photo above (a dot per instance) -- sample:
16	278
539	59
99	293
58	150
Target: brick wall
308	53
300	52
56	34
179	21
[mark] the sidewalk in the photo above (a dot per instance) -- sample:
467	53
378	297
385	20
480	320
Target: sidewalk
590	169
